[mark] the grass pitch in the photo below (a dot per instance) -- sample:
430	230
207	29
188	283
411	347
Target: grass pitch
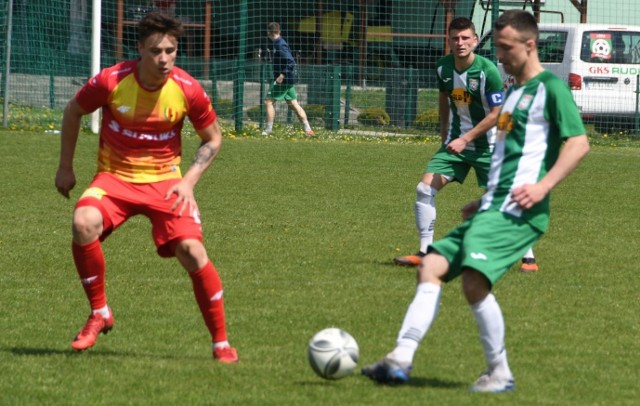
303	233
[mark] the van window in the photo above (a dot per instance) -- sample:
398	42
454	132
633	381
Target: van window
605	46
551	46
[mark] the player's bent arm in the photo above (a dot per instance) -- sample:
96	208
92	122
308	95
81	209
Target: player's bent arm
444	111
71	119
574	149
570	156
65	178
489	121
459	144
211	142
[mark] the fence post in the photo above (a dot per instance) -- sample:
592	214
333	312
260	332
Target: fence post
401	96
7	72
332	107
347	95
238	83
637	116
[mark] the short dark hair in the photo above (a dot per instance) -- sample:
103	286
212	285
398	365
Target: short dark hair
273	28
521	21
155	22
460	24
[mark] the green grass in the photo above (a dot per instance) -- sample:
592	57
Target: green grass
303	233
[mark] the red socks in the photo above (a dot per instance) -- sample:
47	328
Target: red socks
207	288
90	265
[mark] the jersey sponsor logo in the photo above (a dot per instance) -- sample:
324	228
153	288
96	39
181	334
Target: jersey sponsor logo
505	125
474	84
123	109
459	96
163	136
478	256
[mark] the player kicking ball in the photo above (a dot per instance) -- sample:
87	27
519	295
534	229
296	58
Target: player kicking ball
537	117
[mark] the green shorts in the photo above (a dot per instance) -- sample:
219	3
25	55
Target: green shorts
457	166
489	242
282	92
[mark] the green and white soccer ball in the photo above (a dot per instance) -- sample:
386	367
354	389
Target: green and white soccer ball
333	353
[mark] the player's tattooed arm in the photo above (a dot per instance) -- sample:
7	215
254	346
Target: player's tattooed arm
204	155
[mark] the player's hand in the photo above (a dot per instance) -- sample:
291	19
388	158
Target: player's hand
185	198
528	195
469	209
65	181
457	146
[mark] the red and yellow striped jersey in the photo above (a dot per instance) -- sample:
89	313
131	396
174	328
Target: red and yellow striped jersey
140	138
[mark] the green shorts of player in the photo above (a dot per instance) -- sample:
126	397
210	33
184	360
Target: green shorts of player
282	92
457	166
489	242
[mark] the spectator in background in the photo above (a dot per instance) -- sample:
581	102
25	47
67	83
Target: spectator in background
284	79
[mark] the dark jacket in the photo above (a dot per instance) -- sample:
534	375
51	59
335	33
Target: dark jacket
283	62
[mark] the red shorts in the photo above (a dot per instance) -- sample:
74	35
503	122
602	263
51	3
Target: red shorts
118	200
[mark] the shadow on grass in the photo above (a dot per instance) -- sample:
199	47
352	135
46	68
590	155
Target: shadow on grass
420	382
416	382
31	351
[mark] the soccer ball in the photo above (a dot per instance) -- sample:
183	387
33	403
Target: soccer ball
333	353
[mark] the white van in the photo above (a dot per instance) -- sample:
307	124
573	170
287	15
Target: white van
600	63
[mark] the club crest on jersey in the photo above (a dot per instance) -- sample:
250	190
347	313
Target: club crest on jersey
169	114
474	84
525	102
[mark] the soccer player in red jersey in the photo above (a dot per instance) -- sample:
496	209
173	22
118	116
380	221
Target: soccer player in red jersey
144	104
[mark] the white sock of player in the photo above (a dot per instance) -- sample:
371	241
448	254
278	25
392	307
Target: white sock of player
103	311
306	125
269	127
491	327
221	344
529	254
419	317
425	211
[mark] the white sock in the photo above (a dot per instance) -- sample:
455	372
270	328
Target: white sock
269	127
491	328
221	344
425	211
529	254
306	125
103	311
419	317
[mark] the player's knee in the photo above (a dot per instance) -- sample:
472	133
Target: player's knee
191	254
433	268
425	193
87	224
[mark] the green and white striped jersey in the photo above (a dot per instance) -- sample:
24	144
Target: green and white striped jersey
534	121
472	93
